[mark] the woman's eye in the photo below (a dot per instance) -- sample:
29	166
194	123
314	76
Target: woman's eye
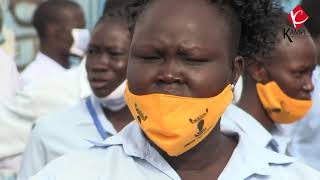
196	61
149	57
92	51
113	53
300	74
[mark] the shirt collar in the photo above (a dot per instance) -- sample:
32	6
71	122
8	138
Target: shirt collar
135	144
236	118
107	125
42	57
85	89
84	119
247	159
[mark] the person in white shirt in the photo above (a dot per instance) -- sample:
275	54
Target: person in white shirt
181	71
94	118
53	94
53	21
10	83
305	134
277	91
9	75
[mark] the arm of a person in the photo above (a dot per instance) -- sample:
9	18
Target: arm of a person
35	154
35	100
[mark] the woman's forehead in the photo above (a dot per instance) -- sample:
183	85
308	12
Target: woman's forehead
302	51
194	21
176	11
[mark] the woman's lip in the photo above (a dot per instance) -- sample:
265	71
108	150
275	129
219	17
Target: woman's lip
170	91
305	96
97	84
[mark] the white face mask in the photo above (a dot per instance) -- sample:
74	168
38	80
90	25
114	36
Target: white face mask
81	39
114	101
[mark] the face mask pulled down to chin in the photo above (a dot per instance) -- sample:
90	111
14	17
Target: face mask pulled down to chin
115	101
280	107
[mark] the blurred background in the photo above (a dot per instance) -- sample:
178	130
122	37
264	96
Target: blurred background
21	39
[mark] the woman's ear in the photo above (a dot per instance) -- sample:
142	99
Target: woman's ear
317	41
257	72
237	69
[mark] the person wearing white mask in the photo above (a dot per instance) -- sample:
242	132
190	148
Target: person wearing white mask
97	117
54	22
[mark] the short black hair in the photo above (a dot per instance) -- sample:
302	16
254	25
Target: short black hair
284	25
258	22
50	12
312	8
116	9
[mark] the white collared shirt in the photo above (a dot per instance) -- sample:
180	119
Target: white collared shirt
40	68
300	139
128	155
9	76
61	133
242	121
35	100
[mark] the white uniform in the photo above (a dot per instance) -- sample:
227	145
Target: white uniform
128	155
300	140
239	119
64	132
38	99
41	68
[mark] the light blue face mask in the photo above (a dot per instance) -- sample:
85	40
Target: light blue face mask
24	11
74	61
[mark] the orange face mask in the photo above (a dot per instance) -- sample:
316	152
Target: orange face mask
176	124
280	107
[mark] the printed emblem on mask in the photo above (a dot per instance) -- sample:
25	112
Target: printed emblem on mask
279	110
141	115
276	110
200	123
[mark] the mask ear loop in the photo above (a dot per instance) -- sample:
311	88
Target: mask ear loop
232	81
232	87
233	84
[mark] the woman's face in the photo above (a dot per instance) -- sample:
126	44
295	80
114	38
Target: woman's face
292	66
184	52
107	56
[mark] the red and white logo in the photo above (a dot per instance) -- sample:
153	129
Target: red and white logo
298	16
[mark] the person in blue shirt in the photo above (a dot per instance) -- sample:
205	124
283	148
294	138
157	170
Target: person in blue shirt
96	118
184	59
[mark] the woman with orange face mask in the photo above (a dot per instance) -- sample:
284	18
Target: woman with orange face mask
277	89
185	57
305	134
